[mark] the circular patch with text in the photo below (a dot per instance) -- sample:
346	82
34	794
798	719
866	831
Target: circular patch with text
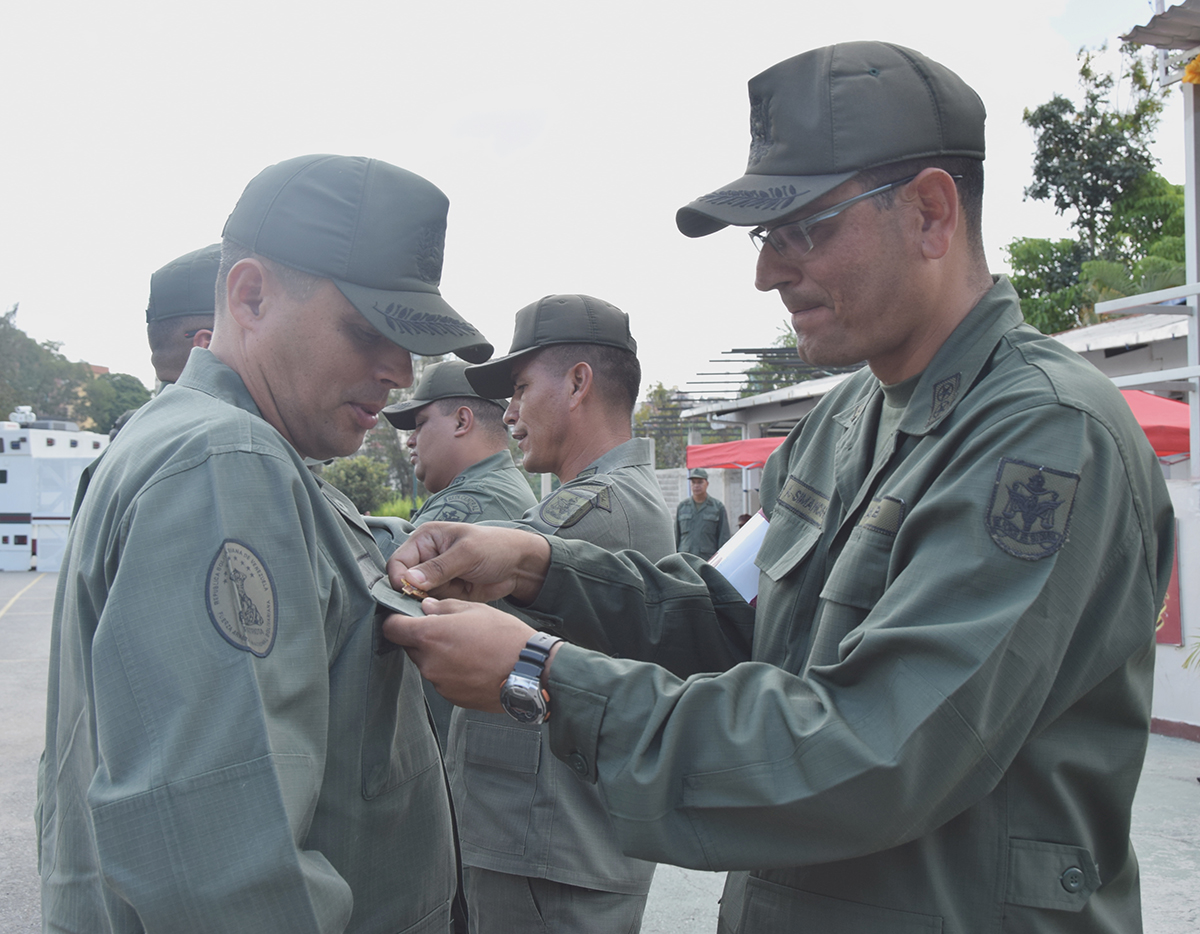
241	598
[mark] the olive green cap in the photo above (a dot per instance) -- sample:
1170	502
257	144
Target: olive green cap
697	473
374	229
185	286
822	117
554	319
444	380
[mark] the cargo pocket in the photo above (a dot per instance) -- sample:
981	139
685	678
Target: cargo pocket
769	906
1050	875
500	773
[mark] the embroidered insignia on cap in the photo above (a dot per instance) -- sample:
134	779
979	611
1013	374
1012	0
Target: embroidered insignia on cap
1030	509
883	514
241	598
567	506
457	507
410	321
804	501
430	248
945	391
772	199
760	130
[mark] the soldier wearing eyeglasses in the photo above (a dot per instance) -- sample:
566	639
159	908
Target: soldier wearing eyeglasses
935	716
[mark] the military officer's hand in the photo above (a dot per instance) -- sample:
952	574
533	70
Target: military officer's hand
470	562
466	650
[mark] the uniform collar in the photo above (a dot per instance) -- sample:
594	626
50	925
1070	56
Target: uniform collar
633	453
205	373
501	460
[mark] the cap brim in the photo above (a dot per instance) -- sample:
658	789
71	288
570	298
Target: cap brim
753	200
493	380
403	415
420	322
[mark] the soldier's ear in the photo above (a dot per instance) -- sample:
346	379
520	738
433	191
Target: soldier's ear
581	379
464	420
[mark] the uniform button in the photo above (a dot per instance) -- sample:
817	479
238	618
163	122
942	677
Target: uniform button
578	763
1072	879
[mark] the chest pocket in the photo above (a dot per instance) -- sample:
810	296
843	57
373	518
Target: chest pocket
857	580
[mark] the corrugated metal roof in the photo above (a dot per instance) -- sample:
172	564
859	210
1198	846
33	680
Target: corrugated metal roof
1125	332
1175	28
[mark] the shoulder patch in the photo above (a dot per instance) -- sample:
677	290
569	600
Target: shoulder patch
883	514
1030	511
241	598
568	505
801	499
457	507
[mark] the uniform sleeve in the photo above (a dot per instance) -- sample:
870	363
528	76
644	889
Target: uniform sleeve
722	528
677	536
944	650
212	694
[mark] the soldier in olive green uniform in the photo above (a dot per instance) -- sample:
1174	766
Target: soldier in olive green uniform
936	717
228	745
526	823
701	525
459	446
180	313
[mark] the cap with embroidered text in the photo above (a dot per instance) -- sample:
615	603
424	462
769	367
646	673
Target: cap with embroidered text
820	118
375	230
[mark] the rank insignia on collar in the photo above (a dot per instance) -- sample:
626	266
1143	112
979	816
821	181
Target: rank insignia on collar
1030	509
945	391
241	598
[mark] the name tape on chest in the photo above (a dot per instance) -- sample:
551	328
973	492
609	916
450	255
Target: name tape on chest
1030	510
241	598
884	515
802	500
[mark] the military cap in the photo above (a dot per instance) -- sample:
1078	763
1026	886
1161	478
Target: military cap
185	286
444	380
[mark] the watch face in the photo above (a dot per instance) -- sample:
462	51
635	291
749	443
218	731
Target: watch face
522	698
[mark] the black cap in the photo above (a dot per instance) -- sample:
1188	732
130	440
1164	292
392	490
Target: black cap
185	286
555	319
374	229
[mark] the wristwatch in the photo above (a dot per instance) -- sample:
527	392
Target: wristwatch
522	694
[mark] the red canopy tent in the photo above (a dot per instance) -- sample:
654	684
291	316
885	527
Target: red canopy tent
731	454
1165	421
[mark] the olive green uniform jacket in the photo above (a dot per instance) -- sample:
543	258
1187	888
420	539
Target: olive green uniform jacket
230	746
701	529
492	489
522	811
937	717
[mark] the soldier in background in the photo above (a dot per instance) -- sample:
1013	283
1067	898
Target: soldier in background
180	313
701	525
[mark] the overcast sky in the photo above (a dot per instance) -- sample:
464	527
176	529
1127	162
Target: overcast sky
565	134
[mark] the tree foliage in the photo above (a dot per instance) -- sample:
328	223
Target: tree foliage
1090	156
1093	161
363	479
107	397
658	417
38	375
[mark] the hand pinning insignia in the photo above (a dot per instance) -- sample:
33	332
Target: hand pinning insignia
241	599
1030	509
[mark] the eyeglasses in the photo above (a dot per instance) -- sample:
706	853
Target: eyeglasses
792	237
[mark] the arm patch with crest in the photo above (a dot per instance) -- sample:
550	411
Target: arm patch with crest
241	598
1030	511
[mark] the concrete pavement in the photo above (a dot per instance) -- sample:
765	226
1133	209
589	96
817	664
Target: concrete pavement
1166	817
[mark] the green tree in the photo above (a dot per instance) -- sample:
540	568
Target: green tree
1088	157
109	396
38	375
363	479
1045	274
658	417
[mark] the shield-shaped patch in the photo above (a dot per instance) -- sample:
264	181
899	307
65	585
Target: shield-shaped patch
1030	511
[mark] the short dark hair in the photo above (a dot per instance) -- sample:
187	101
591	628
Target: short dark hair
165	331
489	416
617	371
299	285
969	184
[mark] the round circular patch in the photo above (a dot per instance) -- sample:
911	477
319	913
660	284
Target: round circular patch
241	598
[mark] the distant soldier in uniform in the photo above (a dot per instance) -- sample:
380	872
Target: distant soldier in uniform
528	826
701	525
228	744
459	451
180	313
935	715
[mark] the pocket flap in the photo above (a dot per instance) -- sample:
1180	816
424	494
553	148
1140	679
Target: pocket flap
1050	875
